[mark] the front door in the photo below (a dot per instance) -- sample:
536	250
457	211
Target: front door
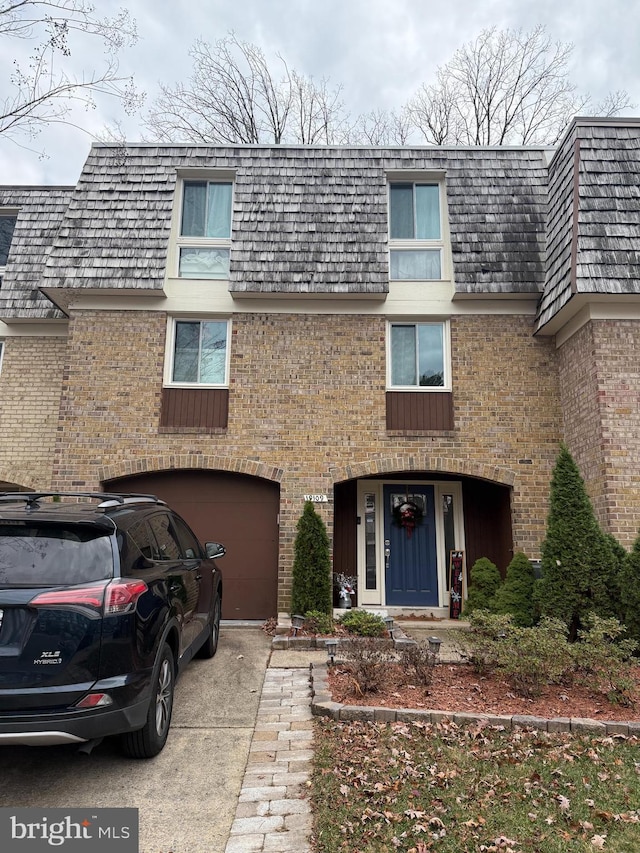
411	576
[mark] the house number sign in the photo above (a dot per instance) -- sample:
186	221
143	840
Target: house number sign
317	499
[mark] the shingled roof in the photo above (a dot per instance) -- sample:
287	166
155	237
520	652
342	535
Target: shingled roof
594	214
305	219
41	210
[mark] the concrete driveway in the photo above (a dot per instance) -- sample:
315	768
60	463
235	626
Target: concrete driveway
187	795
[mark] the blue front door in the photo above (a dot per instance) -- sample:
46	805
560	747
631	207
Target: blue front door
411	576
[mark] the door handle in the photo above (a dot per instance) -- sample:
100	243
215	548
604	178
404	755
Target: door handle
387	554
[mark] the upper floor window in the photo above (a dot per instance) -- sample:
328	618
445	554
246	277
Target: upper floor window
199	353
415	232
205	229
1	354
7	224
418	356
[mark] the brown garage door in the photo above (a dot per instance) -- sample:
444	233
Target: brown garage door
237	510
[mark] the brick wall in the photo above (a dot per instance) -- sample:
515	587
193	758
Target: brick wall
600	388
307	399
30	385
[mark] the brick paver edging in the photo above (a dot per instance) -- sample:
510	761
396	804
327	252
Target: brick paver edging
284	641
322	705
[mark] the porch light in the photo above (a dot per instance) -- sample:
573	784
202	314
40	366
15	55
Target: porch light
434	645
332	648
296	623
388	621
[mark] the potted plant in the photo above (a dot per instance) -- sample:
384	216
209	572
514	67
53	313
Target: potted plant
345	586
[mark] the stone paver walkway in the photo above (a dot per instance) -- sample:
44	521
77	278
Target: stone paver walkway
273	813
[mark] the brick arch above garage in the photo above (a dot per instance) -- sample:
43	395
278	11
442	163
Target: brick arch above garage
235	508
15	479
380	465
171	462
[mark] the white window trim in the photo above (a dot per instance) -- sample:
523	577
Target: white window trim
170	352
417	244
177	240
2	345
446	346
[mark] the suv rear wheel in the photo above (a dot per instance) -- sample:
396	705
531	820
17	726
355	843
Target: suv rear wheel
210	645
151	738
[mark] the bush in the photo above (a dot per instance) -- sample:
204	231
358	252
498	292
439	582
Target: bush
316	622
484	583
630	591
602	658
515	595
311	587
366	661
529	658
363	624
417	662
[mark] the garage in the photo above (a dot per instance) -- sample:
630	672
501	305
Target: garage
238	510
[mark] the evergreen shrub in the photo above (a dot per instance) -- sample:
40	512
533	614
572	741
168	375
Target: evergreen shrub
311	584
484	582
515	595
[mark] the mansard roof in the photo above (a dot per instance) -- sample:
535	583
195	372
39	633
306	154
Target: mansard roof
305	219
314	220
593	243
41	210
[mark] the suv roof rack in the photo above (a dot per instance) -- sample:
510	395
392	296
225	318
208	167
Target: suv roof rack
106	499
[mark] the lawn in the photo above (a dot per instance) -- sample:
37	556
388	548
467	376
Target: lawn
416	787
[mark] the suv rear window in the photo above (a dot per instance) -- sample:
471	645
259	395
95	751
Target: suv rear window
52	554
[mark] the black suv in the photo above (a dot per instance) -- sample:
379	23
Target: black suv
103	600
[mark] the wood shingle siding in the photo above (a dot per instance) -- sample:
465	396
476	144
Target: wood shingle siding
305	219
40	212
594	214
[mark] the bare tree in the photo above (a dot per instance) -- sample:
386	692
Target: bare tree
235	96
382	127
506	87
43	89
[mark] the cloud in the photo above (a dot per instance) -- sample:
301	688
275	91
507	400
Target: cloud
379	50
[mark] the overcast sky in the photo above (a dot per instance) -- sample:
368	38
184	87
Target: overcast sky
379	50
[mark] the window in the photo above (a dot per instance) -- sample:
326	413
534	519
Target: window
1	354
418	356
7	224
190	545
415	232
205	230
199	352
168	545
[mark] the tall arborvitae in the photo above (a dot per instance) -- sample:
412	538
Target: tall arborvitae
515	596
311	588
578	566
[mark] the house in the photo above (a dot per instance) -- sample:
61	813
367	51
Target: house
404	335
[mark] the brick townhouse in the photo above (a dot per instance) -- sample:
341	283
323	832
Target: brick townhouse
405	334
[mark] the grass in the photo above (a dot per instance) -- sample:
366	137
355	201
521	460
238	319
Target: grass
418	787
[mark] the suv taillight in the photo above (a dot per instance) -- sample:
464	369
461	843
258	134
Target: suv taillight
117	596
122	596
79	596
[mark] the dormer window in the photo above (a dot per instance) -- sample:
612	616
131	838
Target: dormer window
415	231
205	229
